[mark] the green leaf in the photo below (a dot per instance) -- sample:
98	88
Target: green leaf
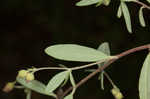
106	2
73	83
73	52
28	94
119	12
141	18
99	3
129	0
35	86
126	16
70	96
86	2
56	81
104	47
72	80
144	80
101	78
148	1
65	81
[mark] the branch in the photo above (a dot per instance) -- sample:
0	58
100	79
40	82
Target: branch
125	53
142	4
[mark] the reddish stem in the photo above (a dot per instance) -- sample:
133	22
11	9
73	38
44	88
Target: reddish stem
125	53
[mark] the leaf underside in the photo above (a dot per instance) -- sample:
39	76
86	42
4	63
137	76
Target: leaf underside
73	52
56	81
127	18
144	80
35	86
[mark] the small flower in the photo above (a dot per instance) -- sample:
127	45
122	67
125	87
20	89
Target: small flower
29	77
22	73
116	93
9	87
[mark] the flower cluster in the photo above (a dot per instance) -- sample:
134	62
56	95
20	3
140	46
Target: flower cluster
29	76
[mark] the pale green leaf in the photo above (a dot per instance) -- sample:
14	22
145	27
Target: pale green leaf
35	86
129	0
70	96
106	2
119	12
72	80
99	3
101	78
56	81
144	80
126	16
28	94
104	47
73	52
65	80
73	83
87	2
148	1
141	18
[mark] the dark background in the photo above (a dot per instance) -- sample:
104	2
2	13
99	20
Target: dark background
27	27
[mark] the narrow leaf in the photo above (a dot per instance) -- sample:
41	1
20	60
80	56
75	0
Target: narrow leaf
73	52
65	80
148	1
56	81
106	2
144	80
99	3
35	86
72	80
104	47
102	80
141	18
73	83
129	0
119	12
86	2
28	94
126	16
70	96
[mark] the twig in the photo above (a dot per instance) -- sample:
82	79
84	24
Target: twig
46	68
105	66
142	4
91	64
74	68
88	77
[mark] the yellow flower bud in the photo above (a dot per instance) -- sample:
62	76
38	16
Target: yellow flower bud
119	96
29	77
22	73
8	87
116	93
